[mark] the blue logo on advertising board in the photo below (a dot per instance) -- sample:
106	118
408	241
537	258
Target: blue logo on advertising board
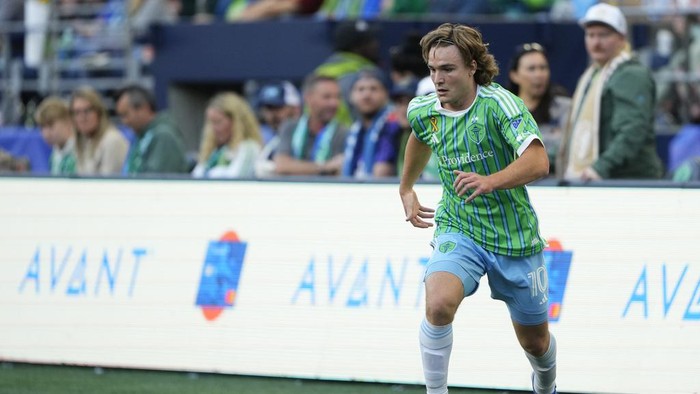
221	272
558	262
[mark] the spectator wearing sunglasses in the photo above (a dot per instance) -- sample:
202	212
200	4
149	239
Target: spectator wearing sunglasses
529	78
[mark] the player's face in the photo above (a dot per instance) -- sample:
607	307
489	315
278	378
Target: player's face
368	96
323	100
454	81
532	74
221	124
603	43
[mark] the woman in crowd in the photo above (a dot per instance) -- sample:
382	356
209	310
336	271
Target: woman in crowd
100	147
231	139
529	79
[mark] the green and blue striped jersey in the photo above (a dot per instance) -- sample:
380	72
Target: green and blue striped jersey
485	138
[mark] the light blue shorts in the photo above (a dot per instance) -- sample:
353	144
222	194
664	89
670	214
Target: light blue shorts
520	282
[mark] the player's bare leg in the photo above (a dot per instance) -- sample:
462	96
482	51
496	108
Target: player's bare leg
541	350
443	294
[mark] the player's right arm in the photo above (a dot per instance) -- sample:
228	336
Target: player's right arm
415	159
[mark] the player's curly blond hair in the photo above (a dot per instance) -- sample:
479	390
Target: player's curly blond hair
470	44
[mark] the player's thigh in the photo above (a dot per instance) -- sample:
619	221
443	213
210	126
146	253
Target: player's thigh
522	283
456	254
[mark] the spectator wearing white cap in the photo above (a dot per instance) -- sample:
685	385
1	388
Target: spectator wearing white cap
278	102
610	132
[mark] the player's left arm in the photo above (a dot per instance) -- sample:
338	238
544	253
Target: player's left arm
532	165
523	136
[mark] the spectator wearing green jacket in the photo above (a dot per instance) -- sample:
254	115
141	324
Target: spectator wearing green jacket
158	148
356	48
610	133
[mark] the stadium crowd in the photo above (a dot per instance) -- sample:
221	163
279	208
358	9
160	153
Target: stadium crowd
348	117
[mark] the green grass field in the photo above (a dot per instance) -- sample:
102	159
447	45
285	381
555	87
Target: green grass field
18	378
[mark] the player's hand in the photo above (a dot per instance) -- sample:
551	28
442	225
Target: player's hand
467	181
415	213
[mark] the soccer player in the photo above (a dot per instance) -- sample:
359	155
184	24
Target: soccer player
488	147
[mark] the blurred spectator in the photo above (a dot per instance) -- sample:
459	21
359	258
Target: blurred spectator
371	148
356	48
402	93
95	37
12	47
353	9
676	95
231	139
53	116
144	13
11	10
279	104
684	148
37	15
431	171
570	9
158	147
411	78
407	60
611	129
254	10
100	147
488	7
198	11
406	8
314	144
9	163
425	86
529	78
455	7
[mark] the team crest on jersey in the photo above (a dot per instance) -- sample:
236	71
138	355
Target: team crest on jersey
475	131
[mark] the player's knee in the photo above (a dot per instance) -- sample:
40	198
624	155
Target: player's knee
535	345
440	311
